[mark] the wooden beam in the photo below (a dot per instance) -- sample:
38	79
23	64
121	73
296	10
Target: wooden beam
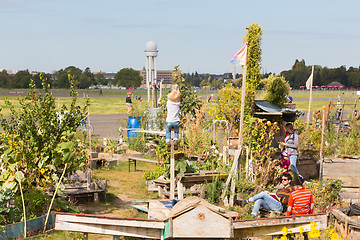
115	226
274	226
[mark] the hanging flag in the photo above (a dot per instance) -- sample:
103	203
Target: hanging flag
240	57
309	82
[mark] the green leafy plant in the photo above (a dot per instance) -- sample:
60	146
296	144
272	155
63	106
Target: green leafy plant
8	214
137	143
277	89
213	190
37	143
258	136
253	66
325	193
154	173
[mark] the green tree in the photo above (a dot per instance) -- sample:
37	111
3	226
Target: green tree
277	89
21	79
100	79
61	79
128	77
4	79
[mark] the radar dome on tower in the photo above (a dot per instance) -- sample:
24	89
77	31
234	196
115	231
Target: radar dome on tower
151	46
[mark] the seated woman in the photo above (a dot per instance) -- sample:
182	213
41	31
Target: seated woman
271	201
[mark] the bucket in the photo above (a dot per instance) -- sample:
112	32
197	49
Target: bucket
132	123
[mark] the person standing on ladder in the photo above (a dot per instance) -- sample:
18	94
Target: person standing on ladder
172	118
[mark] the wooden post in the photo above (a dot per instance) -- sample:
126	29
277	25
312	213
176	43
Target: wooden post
234	169
310	97
322	144
172	167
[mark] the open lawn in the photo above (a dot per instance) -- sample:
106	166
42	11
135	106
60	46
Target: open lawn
113	101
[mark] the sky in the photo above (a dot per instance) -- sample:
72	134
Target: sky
198	35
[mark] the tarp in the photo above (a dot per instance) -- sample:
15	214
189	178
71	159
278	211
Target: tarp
286	114
267	106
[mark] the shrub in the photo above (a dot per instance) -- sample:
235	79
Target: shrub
37	144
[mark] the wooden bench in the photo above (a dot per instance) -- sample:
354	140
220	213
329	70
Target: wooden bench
134	159
80	185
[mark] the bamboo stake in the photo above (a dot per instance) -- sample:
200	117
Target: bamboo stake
53	198
322	144
24	209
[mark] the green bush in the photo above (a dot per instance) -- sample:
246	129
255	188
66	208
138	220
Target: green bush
137	143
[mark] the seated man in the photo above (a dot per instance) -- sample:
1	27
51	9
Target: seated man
271	201
301	200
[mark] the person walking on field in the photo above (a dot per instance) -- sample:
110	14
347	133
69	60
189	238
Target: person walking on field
172	118
128	102
301	200
291	144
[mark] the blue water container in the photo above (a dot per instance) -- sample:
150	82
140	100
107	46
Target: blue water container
133	123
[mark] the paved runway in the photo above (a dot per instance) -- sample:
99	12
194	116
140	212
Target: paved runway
106	126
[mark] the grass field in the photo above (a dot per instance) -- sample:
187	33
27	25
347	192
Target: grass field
109	103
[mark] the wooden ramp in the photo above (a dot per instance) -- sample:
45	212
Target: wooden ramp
189	219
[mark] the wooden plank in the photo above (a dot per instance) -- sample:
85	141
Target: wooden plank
350	195
348	156
76	176
278	221
345	170
342	217
349	181
157	210
109	230
100	184
274	226
141	159
115	226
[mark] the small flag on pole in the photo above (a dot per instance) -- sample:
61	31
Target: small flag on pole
309	82
240	57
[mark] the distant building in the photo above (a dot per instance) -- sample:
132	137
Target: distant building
162	75
106	75
9	71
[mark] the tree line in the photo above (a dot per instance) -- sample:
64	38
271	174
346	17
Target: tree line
296	76
299	73
126	77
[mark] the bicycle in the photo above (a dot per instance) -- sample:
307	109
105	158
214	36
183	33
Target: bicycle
87	128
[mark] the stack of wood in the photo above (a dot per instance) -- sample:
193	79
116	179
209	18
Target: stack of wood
80	185
347	169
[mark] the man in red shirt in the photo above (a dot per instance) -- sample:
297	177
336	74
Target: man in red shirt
301	200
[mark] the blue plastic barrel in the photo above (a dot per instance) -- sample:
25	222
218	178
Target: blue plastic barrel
132	123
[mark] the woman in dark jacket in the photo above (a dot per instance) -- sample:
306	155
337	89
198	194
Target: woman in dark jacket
291	144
